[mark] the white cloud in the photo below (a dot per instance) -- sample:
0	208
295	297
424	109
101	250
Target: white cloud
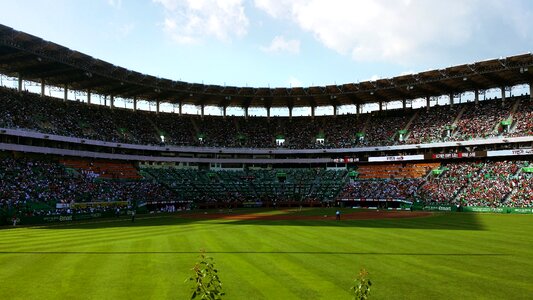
404	31
275	8
191	21
280	44
115	3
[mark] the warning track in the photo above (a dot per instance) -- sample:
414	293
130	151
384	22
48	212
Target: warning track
361	215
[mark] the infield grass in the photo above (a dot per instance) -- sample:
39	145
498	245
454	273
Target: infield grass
444	256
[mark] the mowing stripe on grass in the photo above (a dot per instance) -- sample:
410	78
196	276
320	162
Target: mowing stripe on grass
439	257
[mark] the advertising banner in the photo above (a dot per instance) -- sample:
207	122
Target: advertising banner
521	210
396	158
64	218
455	155
440	208
516	152
485	209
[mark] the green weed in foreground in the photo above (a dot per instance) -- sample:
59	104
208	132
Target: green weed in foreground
362	285
206	280
448	256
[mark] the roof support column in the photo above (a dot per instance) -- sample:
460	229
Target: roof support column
105	100
88	96
134	103
290	112
451	100
157	106
357	109
531	91
380	105
202	108
313	112
428	102
476	97
246	112
404	104
335	110
224	111
268	113
43	85
112	101
503	96
180	107
20	82
65	95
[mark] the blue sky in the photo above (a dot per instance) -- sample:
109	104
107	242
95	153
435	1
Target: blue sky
280	43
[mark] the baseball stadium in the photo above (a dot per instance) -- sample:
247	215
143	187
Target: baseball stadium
101	198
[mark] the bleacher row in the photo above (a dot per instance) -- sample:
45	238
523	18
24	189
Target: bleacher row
441	123
229	186
494	184
35	186
103	169
387	171
480	183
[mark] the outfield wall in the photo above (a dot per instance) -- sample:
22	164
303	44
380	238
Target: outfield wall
32	220
477	209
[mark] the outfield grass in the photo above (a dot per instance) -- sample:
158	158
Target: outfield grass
445	256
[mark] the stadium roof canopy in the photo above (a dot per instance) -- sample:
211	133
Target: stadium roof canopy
32	58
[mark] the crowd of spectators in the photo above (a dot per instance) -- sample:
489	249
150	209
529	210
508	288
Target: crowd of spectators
482	120
490	183
523	193
487	183
75	119
434	125
31	186
383	130
34	186
522	119
342	131
72	118
251	185
399	189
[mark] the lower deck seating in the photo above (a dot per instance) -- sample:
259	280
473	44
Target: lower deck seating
396	170
35	186
104	169
297	184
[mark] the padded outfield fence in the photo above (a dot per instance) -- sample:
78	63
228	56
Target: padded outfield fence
35	220
476	209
